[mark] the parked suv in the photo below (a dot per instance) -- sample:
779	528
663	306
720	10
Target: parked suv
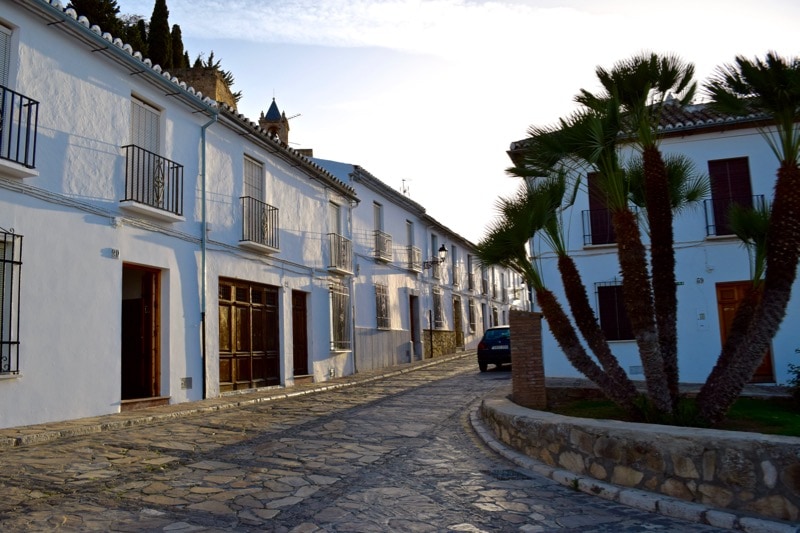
495	347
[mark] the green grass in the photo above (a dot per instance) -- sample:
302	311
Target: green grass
773	416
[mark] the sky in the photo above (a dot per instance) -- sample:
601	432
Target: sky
428	95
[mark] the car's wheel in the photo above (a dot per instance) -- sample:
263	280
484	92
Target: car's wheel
483	366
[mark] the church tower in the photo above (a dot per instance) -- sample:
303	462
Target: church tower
275	123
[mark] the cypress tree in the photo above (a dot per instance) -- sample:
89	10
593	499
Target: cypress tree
178	56
159	47
104	13
134	32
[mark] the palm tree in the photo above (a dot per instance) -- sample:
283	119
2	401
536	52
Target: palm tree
642	85
505	245
770	86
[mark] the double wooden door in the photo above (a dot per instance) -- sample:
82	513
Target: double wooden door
249	337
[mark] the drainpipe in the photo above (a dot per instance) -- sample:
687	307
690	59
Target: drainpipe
203	244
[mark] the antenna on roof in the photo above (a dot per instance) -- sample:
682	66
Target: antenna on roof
404	187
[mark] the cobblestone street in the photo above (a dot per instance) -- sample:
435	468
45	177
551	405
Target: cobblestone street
393	454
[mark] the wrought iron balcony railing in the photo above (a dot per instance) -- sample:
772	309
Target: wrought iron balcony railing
153	180
597	228
259	223
383	246
414	259
717	211
19	120
341	254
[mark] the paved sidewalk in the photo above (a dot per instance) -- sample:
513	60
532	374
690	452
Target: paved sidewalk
21	435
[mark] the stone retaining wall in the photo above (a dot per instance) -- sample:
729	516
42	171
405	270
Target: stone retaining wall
744	472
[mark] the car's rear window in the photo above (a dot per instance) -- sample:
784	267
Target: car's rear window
496	334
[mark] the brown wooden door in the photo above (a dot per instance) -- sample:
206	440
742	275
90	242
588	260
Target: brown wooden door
141	360
413	313
457	321
729	295
299	333
249	342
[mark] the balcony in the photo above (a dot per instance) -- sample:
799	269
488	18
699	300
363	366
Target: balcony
597	228
414	262
19	120
153	185
259	226
383	246
341	260
716	211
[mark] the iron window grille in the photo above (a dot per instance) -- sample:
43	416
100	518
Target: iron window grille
260	222
341	253
611	310
19	123
10	270
153	180
382	306
414	259
383	245
717	212
340	314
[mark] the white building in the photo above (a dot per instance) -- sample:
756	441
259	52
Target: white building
410	303
173	249
713	268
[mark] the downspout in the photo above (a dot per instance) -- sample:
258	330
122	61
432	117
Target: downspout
203	245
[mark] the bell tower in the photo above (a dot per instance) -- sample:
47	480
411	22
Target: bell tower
275	123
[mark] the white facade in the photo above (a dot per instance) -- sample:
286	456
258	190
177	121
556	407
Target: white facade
400	297
707	263
156	247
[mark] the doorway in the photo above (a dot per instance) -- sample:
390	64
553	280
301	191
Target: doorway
300	333
249	339
457	321
140	354
729	296
413	317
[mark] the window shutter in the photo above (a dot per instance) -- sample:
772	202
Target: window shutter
5	55
613	318
730	184
145	126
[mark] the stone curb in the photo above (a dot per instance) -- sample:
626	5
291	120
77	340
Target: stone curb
646	501
24	435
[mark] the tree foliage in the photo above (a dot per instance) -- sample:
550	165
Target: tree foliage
159	39
104	13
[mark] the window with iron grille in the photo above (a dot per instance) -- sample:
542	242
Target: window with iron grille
472	317
340	315
438	308
10	267
611	309
253	179
382	306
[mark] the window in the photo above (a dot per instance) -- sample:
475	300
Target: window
377	211
10	266
454	271
613	317
335	214
145	129
253	179
471	313
382	306
730	184
410	232
383	241
438	308
5	55
340	314
597	221
470	273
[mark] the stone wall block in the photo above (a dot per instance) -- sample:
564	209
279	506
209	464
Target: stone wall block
715	495
674	488
684	467
627	476
790	477
607	448
776	506
735	469
709	465
572	461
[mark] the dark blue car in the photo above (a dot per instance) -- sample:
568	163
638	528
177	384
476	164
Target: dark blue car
495	347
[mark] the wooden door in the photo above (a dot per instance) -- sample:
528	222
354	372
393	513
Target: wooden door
300	333
729	295
140	355
249	342
457	321
413	317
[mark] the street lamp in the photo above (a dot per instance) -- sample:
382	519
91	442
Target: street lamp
442	256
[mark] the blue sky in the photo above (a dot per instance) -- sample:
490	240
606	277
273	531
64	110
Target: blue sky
433	92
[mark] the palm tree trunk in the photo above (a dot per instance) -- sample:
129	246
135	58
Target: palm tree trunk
568	341
586	321
638	298
662	259
783	252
